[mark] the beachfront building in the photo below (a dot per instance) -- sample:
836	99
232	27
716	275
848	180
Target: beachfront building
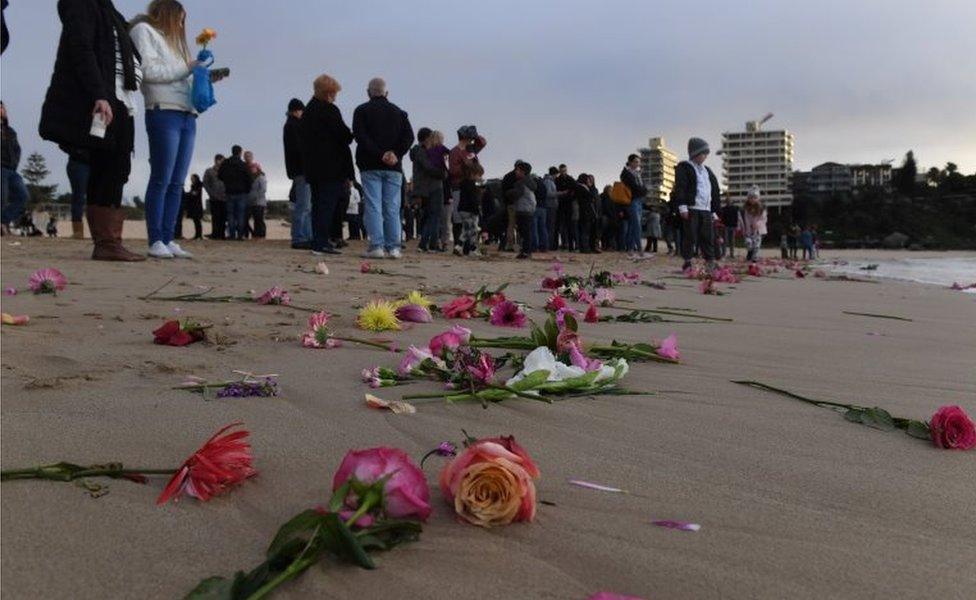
864	176
756	157
657	169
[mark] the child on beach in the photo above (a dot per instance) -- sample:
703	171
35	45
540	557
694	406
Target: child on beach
468	207
784	246
752	222
52	227
806	242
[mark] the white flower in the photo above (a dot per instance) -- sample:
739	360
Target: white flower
542	359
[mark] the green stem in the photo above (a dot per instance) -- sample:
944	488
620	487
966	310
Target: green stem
657	311
44	472
769	388
365	343
293	570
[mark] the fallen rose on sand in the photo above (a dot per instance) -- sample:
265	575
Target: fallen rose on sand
47	281
669	347
9	319
491	483
176	333
275	295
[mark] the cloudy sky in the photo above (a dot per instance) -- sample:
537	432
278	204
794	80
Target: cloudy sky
580	82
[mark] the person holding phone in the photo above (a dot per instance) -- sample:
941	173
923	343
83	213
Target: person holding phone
90	104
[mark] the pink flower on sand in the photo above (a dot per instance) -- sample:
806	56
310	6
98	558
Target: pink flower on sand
451	339
591	316
275	295
582	361
669	348
632	278
10	291
604	297
584	297
413	359
223	461
707	287
952	429
318	335
800	274
463	307
47	281
755	270
414	313
725	275
406	495
483	371
552	283
365	267
555	303
557	268
507	314
561	316
566	340
493	300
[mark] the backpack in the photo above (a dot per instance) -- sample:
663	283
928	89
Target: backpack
201	94
620	194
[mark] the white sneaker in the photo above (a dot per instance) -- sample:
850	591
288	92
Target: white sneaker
394	254
159	250
375	253
178	252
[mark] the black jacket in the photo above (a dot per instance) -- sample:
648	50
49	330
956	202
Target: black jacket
84	71
233	172
380	126
325	143
10	150
293	148
730	215
686	187
637	189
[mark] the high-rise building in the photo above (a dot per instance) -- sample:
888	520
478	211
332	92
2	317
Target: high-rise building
657	169
756	157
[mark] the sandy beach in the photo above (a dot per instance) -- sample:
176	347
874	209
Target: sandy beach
794	501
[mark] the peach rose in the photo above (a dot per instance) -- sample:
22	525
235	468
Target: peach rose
490	483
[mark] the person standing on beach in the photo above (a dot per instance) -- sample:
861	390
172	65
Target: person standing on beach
653	229
565	186
193	203
14	192
216	199
522	194
552	208
301	193
237	188
327	160
428	188
171	120
630	176
258	200
752	222
730	220
792	238
470	144
383	136
698	199
90	104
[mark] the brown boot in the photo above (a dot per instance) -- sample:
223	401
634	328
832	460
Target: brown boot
77	230
105	224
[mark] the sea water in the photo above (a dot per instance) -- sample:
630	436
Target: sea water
935	271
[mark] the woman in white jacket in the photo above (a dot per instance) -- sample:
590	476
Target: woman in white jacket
171	122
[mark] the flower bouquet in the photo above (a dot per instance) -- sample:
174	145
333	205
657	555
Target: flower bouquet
248	385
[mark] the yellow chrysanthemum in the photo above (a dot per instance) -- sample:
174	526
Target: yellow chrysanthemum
416	297
378	315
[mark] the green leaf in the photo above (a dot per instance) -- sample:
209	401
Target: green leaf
853	415
348	546
303	522
552	333
571	323
531	381
919	429
878	418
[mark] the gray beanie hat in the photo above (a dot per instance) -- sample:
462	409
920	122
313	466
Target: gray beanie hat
696	146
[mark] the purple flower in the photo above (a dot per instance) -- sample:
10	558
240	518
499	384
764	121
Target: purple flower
446	449
414	313
10	291
262	388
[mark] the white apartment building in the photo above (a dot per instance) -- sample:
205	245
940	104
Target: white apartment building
657	169
755	157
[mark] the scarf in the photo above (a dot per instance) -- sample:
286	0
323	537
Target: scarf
126	48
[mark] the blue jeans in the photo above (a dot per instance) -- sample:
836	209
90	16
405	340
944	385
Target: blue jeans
381	210
325	199
78	178
171	135
430	236
14	196
301	211
237	216
540	233
635	210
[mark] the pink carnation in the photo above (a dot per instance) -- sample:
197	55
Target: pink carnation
669	348
507	314
47	281
275	295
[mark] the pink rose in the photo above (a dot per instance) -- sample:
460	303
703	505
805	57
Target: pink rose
952	429
463	307
566	339
451	339
491	483
406	494
669	348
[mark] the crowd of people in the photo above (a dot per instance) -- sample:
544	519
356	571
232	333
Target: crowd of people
444	201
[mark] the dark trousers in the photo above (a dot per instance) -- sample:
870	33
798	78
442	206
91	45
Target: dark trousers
430	233
698	231
355	225
218	219
341	207
325	200
551	231
197	228
260	229
109	168
524	222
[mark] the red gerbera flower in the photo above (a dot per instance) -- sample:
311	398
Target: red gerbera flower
223	461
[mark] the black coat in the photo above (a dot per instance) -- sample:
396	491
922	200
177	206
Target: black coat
325	140
84	71
686	187
237	179
10	152
637	189
380	126
293	148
